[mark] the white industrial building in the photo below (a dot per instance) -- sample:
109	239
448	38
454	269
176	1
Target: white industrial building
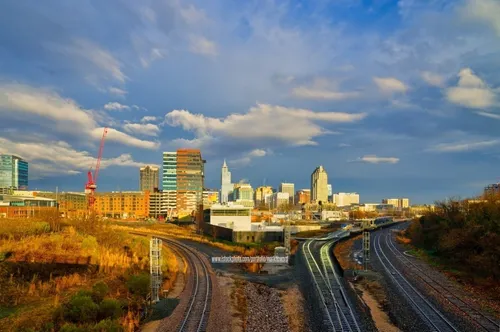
345	199
234	216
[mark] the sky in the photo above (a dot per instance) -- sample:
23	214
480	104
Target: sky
393	98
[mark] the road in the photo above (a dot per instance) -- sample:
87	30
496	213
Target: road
431	296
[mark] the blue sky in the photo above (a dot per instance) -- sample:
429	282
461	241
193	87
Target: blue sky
393	98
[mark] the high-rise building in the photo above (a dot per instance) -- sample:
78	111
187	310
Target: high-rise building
345	199
149	178
169	181
226	185
13	172
319	185
261	193
280	200
330	192
290	189
303	196
190	180
243	194
398	203
210	197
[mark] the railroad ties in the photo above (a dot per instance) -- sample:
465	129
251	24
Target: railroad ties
197	312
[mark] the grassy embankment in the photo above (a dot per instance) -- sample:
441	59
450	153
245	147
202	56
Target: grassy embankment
463	240
75	276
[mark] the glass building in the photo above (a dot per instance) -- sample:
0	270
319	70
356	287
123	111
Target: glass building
13	172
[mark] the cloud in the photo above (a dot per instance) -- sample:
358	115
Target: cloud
117	91
471	91
484	11
373	159
58	157
148	119
489	115
262	122
390	84
147	129
463	146
432	78
193	15
27	103
95	62
115	106
312	93
247	158
344	145
201	45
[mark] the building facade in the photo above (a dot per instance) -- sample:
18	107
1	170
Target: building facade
169	181
345	199
71	204
261	193
123	205
243	194
190	183
303	196
290	189
330	192
226	186
13	172
319	185
280	200
398	203
210	197
149	178
237	217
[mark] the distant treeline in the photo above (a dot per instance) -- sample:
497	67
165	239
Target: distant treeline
464	233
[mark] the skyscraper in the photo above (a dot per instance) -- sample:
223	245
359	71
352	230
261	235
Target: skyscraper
261	193
319	185
226	185
13	172
290	189
149	178
169	182
190	182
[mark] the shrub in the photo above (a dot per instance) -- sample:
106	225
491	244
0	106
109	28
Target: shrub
108	325
68	327
110	308
81	309
139	284
99	291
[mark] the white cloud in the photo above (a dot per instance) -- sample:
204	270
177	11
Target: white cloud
147	129
390	84
115	106
471	91
247	158
148	119
463	146
312	93
56	158
489	115
432	78
102	63
193	15
373	159
117	91
485	11
201	45
264	122
17	101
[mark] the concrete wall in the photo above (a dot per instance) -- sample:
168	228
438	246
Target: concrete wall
219	232
257	237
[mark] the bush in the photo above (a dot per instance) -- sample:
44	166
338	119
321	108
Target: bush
110	308
108	325
81	309
99	291
139	284
68	327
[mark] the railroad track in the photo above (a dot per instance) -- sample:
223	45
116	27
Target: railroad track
336	308
198	309
482	320
432	316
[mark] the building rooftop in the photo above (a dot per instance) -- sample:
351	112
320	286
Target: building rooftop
229	206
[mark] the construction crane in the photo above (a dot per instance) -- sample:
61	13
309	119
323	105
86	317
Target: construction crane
91	184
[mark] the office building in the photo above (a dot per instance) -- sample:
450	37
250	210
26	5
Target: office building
149	178
243	194
303	196
290	189
345	199
260	195
210	197
330	192
71	204
169	180
226	185
319	185
29	206
13	172
280	200
123	205
397	203
190	183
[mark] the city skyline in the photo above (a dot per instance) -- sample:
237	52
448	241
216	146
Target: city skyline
388	108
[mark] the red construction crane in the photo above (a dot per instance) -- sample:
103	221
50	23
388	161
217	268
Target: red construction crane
91	184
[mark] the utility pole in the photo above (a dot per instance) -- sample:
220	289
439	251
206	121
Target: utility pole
155	268
366	249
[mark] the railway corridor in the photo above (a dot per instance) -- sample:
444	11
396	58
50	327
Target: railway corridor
431	297
337	309
197	310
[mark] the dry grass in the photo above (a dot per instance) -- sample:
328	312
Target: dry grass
239	303
18	228
293	303
343	251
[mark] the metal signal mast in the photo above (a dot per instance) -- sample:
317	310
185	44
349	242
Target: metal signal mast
91	184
